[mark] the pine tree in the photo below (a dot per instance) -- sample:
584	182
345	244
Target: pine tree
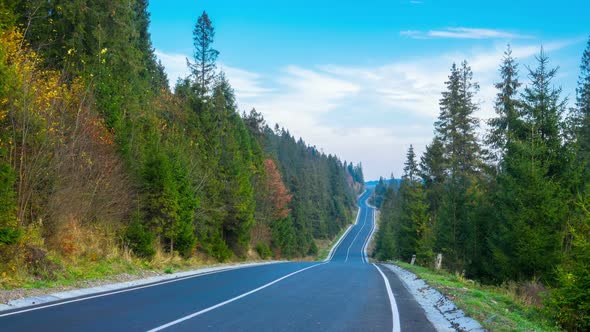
455	129
570	300
583	112
410	165
542	113
204	55
507	123
530	199
385	246
412	215
432	172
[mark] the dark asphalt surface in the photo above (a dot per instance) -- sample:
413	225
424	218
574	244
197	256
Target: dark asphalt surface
345	294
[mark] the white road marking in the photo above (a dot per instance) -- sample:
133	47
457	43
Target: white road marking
335	248
161	327
357	234
394	311
124	290
367	240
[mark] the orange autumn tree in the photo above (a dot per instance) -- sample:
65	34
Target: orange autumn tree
278	192
272	202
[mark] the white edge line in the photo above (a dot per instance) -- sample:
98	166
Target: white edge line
161	327
372	233
357	234
394	311
335	247
368	240
129	289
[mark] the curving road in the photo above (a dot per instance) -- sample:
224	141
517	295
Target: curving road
343	293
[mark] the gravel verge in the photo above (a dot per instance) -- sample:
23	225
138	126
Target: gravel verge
442	312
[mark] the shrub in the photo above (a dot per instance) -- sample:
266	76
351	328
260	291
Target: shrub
263	250
9	235
140	240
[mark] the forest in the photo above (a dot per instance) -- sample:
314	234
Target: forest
509	205
101	158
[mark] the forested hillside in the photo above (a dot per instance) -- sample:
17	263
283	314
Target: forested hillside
99	160
513	206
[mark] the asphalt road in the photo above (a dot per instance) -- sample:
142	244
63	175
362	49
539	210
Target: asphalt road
345	293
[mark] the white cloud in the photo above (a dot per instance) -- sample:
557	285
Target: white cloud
368	113
463	33
175	64
246	84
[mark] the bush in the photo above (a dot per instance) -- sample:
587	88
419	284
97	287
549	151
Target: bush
313	249
140	241
263	250
9	235
185	241
220	250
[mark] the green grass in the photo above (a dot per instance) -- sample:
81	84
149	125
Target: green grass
496	308
76	273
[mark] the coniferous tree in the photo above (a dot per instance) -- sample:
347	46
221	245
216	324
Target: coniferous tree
413	215
583	112
506	124
530	201
456	130
185	161
204	55
570	299
432	172
385	246
411	165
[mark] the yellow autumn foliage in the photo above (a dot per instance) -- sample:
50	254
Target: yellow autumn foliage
66	166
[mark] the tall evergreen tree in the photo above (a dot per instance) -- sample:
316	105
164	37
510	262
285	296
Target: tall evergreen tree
583	111
432	172
412	215
411	165
505	125
204	54
530	200
455	129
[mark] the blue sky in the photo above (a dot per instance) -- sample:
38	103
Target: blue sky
362	79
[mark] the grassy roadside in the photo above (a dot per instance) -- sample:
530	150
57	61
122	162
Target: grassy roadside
496	308
79	273
82	271
59	273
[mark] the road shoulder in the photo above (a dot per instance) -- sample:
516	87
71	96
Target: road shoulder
442	313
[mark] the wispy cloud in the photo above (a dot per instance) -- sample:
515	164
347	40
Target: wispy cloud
175	64
367	113
246	84
464	33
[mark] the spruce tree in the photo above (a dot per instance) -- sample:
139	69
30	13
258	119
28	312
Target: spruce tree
455	129
411	165
530	199
504	127
583	111
204	54
432	172
570	300
412	215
